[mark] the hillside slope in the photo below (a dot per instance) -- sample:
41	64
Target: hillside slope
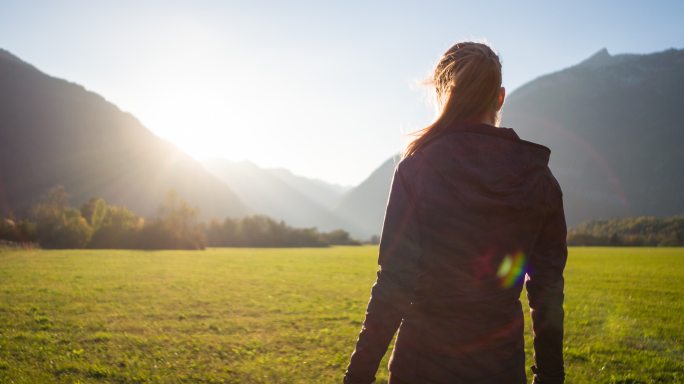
614	128
53	132
365	205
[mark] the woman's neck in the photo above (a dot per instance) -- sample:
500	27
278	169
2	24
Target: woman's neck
490	119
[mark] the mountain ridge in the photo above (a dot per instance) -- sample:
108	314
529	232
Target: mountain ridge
56	132
267	192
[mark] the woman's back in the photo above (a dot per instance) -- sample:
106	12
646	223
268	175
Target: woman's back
470	214
480	195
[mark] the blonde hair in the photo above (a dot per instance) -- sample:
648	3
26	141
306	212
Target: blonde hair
467	80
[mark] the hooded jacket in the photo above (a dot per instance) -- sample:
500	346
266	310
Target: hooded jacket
472	217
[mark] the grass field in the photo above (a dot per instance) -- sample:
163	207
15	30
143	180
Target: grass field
292	315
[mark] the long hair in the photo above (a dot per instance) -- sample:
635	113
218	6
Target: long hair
467	80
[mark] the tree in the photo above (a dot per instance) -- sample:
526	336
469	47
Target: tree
338	237
113	226
176	226
94	211
629	231
614	240
57	224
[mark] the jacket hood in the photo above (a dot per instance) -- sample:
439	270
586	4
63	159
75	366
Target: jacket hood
491	160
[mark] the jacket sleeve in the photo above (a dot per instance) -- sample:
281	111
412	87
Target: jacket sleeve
545	292
392	292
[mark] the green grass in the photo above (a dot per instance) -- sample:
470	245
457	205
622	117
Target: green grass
291	315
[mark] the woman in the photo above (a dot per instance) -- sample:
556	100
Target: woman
474	213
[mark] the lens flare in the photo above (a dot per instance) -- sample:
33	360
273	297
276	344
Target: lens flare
512	269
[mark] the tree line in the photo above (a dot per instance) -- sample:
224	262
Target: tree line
53	223
631	231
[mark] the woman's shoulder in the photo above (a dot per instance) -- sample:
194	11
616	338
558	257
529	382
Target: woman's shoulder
411	172
409	164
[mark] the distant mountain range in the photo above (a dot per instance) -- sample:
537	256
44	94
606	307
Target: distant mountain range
278	193
322	192
615	130
612	123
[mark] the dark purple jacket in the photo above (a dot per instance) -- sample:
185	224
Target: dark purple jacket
471	217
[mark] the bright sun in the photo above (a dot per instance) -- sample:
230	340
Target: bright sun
195	119
190	90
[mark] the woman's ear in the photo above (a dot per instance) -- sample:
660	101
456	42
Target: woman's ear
500	98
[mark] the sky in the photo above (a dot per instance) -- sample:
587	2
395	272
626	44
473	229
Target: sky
326	89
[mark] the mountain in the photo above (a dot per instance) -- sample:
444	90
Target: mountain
322	192
365	205
614	128
280	195
54	132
